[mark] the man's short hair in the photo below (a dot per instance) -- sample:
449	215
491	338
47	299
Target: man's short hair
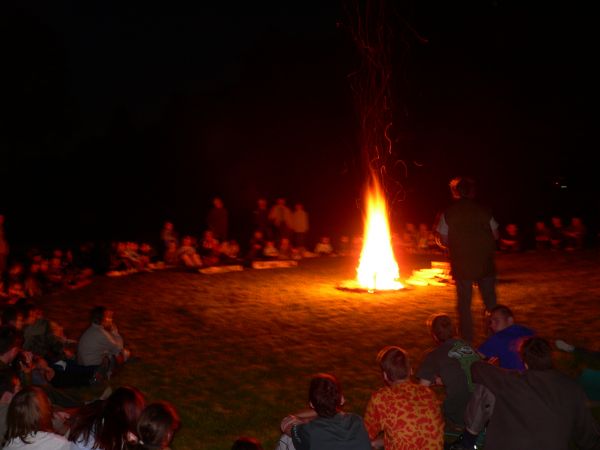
97	314
394	363
536	353
462	187
441	326
502	309
325	394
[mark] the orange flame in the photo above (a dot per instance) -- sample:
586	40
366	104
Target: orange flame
378	269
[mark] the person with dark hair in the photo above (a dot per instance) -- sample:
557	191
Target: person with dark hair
538	408
502	349
100	341
469	231
109	424
10	384
156	426
247	443
324	426
408	414
217	219
29	422
448	364
505	341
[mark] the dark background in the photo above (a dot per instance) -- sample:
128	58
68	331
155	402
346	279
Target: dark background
119	115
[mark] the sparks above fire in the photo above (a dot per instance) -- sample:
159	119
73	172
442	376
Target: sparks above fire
377	269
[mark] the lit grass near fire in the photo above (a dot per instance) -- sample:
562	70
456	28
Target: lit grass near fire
234	352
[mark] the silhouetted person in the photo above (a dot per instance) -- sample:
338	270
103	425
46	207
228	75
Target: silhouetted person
470	232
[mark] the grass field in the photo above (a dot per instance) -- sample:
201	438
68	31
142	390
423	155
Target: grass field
234	351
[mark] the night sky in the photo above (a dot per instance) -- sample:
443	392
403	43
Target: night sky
119	115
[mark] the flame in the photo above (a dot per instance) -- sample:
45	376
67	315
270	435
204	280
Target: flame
378	269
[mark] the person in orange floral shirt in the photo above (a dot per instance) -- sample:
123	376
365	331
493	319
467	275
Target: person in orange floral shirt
406	413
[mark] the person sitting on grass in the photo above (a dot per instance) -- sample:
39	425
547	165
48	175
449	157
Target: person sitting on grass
448	365
539	408
408	414
29	422
109	424
156	427
324	425
187	255
502	349
102	341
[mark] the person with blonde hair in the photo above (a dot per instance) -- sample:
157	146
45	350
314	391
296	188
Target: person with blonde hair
406	413
29	422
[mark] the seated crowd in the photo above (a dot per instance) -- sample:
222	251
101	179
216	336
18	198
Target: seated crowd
37	363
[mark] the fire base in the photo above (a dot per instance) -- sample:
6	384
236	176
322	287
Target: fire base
353	286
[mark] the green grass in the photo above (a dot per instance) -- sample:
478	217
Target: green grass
234	351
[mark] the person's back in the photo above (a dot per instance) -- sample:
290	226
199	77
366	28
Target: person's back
470	240
449	363
29	422
540	408
408	414
326	426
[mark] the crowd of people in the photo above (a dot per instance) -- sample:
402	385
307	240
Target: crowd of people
503	394
498	392
38	362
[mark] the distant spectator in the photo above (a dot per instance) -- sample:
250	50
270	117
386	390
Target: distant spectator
210	249
280	216
285	250
511	239
542	235
260	219
218	219
557	233
575	234
300	226
187	255
270	251
256	246
344	245
168	238
324	247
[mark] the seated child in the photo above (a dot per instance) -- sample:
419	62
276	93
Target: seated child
187	255
324	247
324	425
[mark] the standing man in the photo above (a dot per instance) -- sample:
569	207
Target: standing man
218	220
470	232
